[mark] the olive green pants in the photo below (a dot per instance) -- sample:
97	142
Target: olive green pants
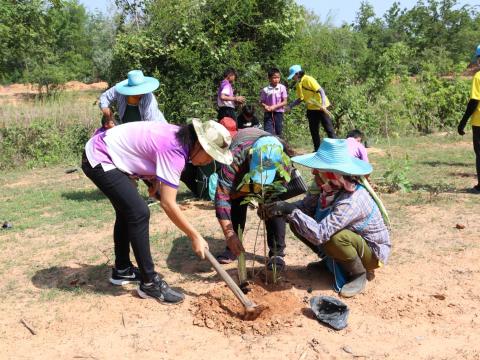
345	246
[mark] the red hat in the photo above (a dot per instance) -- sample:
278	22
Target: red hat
230	125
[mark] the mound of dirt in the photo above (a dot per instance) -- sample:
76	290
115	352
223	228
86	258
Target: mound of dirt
15	89
220	310
77	85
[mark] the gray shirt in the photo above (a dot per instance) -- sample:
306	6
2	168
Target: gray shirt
147	106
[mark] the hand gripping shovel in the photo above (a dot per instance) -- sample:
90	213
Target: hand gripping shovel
251	309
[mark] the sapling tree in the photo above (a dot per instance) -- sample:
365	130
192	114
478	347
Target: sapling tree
260	194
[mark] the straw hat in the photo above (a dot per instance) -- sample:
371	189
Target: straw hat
214	139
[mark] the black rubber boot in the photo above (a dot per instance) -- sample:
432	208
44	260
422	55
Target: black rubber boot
356	277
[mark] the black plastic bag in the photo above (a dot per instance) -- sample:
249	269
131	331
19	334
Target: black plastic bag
330	310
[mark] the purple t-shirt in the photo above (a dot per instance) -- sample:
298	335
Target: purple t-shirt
357	149
99	131
270	95
144	149
226	89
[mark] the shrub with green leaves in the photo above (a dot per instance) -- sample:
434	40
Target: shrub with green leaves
42	143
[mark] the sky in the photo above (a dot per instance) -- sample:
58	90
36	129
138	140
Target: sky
339	11
343	11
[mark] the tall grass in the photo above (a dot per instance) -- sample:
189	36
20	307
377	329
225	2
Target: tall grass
67	108
36	132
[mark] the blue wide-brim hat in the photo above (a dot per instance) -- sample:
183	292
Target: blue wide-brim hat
333	156
293	70
266	152
137	84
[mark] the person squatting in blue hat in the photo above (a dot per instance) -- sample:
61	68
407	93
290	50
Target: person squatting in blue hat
134	99
340	219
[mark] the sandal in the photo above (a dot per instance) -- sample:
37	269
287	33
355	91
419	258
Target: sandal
226	257
276	261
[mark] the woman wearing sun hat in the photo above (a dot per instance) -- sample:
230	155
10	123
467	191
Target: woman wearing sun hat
157	152
341	219
311	93
134	99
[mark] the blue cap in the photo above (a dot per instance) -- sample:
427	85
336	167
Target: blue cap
267	151
478	50
293	70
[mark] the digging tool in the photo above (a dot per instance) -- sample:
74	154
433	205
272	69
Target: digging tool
252	310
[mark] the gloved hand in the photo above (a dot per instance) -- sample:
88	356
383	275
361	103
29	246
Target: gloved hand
261	211
461	128
278	208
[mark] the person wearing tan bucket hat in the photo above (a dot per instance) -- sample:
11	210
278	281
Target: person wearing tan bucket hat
134	99
157	152
340	218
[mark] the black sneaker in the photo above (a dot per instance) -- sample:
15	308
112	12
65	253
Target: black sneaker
159	290
123	277
277	262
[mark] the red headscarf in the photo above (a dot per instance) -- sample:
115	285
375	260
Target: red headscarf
230	125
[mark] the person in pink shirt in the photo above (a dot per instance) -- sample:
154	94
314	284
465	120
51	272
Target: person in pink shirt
273	99
158	152
355	146
226	99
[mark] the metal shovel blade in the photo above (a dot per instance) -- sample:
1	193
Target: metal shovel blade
252	310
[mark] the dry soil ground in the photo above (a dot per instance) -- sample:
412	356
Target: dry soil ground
56	303
424	304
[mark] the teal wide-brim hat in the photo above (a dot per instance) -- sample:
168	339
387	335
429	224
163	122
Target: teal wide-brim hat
137	84
266	153
333	156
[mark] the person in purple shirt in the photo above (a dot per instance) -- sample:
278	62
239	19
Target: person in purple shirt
273	99
226	99
355	146
157	152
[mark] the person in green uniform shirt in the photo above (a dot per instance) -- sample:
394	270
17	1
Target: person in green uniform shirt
134	99
311	93
473	111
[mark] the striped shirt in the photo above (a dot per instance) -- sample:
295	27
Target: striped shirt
355	211
232	175
147	106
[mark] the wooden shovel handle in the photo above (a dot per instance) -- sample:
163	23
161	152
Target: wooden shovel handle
229	281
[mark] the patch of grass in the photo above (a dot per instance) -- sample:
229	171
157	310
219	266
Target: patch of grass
438	164
81	108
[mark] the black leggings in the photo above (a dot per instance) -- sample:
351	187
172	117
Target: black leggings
476	148
275	228
315	117
132	218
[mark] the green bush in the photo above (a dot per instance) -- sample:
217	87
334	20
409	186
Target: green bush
42	143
